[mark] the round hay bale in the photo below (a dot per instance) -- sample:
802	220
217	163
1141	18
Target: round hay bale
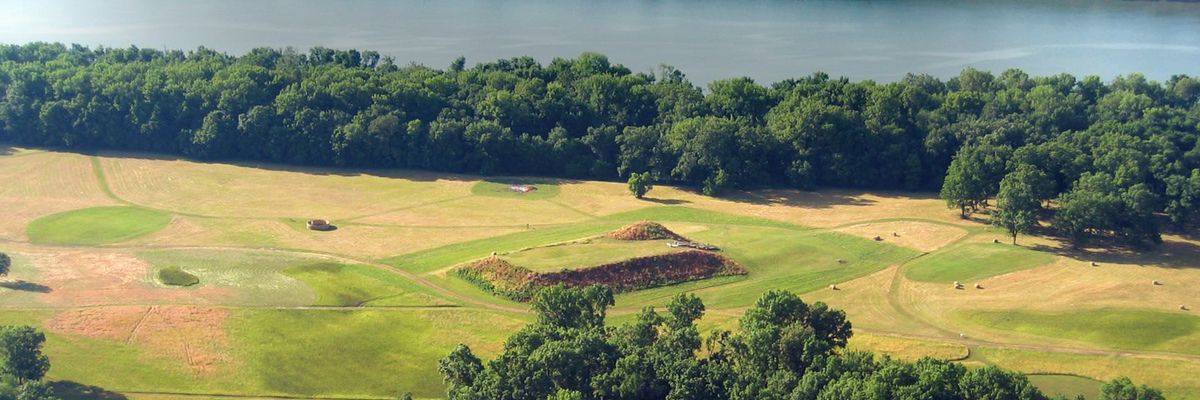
978	286
1183	307
833	287
1094	264
841	261
1156	283
878	239
995	241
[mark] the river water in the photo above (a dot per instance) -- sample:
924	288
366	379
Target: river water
707	39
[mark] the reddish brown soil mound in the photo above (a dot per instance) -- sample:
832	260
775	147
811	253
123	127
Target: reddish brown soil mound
518	283
645	230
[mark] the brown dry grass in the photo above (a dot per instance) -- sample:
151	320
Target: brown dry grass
1064	286
907	348
865	301
923	236
365	241
192	336
482	212
44	183
103	277
237	191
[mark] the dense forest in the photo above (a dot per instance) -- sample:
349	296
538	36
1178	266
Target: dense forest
784	349
1116	159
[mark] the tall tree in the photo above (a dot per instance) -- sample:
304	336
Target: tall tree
1017	204
21	352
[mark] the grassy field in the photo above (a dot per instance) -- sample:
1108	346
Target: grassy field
975	261
546	189
1067	385
366	310
1111	328
585	253
339	284
96	226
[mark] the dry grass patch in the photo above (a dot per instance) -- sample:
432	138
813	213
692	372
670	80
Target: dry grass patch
98	277
605	198
41	184
865	301
923	236
481	211
907	348
365	241
192	336
239	190
827	208
1067	285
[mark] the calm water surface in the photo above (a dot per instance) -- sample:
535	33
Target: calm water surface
766	40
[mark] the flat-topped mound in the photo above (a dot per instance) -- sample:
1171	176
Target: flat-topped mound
645	230
519	283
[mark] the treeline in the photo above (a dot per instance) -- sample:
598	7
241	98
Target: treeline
784	349
1128	145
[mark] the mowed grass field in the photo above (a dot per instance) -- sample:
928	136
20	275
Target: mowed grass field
367	310
96	226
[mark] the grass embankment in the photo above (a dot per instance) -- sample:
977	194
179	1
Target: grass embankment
96	226
585	253
175	276
974	261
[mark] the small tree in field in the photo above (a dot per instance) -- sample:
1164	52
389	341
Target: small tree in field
5	264
639	184
1018	202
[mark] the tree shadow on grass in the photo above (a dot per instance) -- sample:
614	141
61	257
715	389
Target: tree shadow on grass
801	199
666	202
411	174
1172	253
26	286
69	390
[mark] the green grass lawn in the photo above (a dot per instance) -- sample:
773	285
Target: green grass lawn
777	258
975	261
1067	385
1112	328
362	352
175	276
255	276
777	255
357	285
96	226
503	188
585	253
442	257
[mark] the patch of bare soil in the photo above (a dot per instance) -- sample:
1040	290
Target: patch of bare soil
192	336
